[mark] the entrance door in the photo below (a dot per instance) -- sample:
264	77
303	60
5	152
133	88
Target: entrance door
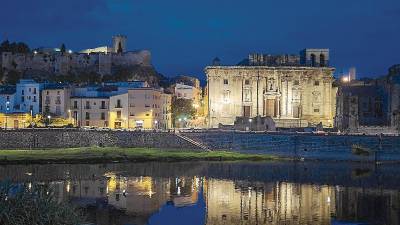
246	111
270	107
117	125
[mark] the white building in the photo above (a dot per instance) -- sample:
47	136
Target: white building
7	96
27	96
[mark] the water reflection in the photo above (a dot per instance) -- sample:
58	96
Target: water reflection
220	193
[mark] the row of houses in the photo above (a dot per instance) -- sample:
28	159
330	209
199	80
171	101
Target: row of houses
116	105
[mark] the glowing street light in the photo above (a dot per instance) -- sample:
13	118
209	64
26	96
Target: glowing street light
345	79
49	117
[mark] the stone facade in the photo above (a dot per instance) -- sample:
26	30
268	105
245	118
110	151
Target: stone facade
292	96
369	105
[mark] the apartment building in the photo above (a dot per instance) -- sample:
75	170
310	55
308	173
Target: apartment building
56	100
90	111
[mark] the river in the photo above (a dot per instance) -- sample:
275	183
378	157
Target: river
228	193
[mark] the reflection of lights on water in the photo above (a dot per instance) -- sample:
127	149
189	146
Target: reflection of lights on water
30	186
328	199
28	173
178	192
68	186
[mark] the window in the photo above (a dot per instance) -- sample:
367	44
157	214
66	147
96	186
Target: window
34	98
118	104
316	110
226	81
47	100
103	116
75	104
87	105
30	90
87	116
316	83
34	90
22	99
247	95
87	123
313	59
47	92
22	92
322	60
247	82
58	110
103	105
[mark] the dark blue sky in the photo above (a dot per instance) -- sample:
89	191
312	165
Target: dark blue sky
185	35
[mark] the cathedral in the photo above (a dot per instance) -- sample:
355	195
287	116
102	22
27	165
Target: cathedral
294	90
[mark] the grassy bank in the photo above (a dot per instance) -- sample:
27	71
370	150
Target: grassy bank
100	155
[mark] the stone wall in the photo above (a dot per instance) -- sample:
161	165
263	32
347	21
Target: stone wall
70	138
307	146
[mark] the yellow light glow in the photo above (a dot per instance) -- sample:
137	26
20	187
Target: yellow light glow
345	79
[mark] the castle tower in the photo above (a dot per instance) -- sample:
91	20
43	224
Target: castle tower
119	43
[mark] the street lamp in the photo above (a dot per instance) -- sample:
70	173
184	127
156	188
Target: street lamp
69	116
250	120
48	117
7	110
155	124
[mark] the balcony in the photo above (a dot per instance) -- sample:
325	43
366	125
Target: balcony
118	106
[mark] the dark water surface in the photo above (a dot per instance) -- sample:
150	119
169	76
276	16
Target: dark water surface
215	193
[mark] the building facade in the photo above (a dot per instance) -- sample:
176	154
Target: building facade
56	101
166	122
90	111
292	96
27	96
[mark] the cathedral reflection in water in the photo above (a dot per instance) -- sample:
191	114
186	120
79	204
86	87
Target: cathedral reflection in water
117	199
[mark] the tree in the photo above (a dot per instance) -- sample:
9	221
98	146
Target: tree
62	48
5	46
119	50
13	77
14	47
181	109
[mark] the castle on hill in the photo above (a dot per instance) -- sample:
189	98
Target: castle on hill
101	60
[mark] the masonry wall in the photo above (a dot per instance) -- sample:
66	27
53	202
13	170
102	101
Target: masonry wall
70	138
307	146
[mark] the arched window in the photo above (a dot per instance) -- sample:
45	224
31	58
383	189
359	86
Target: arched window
322	60
313	58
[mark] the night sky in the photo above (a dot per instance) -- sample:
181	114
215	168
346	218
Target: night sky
185	35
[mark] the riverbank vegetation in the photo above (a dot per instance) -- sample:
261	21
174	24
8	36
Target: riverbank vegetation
110	154
20	204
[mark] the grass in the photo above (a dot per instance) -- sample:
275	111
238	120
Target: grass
108	154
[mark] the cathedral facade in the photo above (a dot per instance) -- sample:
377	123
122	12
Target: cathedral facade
293	96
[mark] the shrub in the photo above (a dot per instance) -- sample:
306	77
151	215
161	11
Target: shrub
36	205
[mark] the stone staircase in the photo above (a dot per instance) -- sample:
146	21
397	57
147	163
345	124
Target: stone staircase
193	142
